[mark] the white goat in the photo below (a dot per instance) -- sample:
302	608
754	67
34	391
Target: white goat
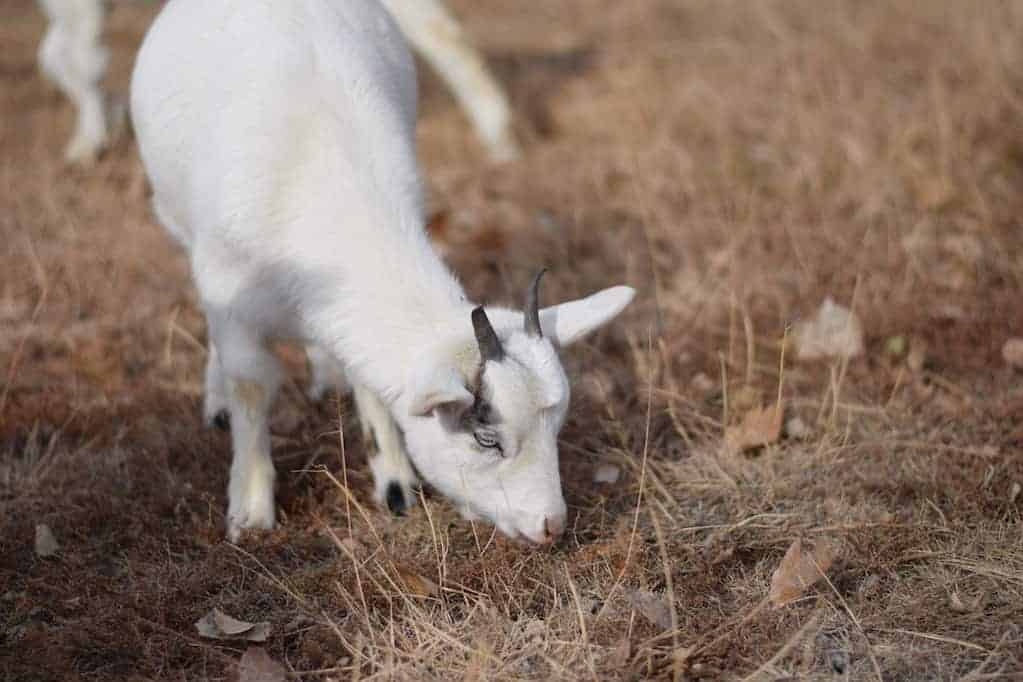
73	56
279	141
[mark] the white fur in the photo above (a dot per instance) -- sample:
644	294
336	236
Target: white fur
279	141
73	56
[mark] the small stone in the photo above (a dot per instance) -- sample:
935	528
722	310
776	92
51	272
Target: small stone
1012	352
702	383
46	543
607	473
956	603
796	428
833	332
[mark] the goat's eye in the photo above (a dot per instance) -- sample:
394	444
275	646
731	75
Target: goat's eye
487	439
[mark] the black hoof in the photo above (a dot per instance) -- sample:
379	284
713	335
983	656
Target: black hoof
396	499
222	420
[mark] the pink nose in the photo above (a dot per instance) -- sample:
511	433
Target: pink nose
553	527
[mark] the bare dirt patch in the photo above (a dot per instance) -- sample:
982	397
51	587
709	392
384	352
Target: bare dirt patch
738	163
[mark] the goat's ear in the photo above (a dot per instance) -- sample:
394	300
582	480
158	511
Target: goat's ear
437	387
568	322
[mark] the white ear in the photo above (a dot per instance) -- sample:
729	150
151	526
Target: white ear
568	322
437	386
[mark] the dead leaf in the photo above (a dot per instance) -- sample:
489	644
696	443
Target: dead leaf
760	426
257	666
607	473
218	625
1012	352
46	543
417	584
745	398
834	332
896	345
654	607
799	570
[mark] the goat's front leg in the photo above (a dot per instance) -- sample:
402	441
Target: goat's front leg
394	479
251	376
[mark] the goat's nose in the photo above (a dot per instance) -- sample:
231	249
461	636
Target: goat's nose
553	527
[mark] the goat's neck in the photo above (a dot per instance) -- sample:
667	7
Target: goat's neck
391	307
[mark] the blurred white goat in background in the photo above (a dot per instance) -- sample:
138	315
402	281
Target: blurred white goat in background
73	56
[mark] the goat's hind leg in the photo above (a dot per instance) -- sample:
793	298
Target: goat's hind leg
394	479
325	374
251	375
215	409
73	57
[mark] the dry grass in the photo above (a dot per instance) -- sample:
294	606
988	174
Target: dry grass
735	161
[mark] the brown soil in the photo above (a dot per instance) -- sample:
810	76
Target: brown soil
737	162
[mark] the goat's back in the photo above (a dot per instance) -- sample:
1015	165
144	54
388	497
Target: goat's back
260	121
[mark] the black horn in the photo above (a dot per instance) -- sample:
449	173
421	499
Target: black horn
532	309
486	337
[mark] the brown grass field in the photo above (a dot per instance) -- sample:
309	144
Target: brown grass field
737	162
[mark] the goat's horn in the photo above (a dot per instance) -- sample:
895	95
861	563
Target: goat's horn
532	309
486	337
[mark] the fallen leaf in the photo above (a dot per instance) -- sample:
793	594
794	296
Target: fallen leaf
46	543
417	584
654	607
1012	352
1014	492
799	570
745	398
218	625
257	666
896	345
834	332
606	473
760	426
